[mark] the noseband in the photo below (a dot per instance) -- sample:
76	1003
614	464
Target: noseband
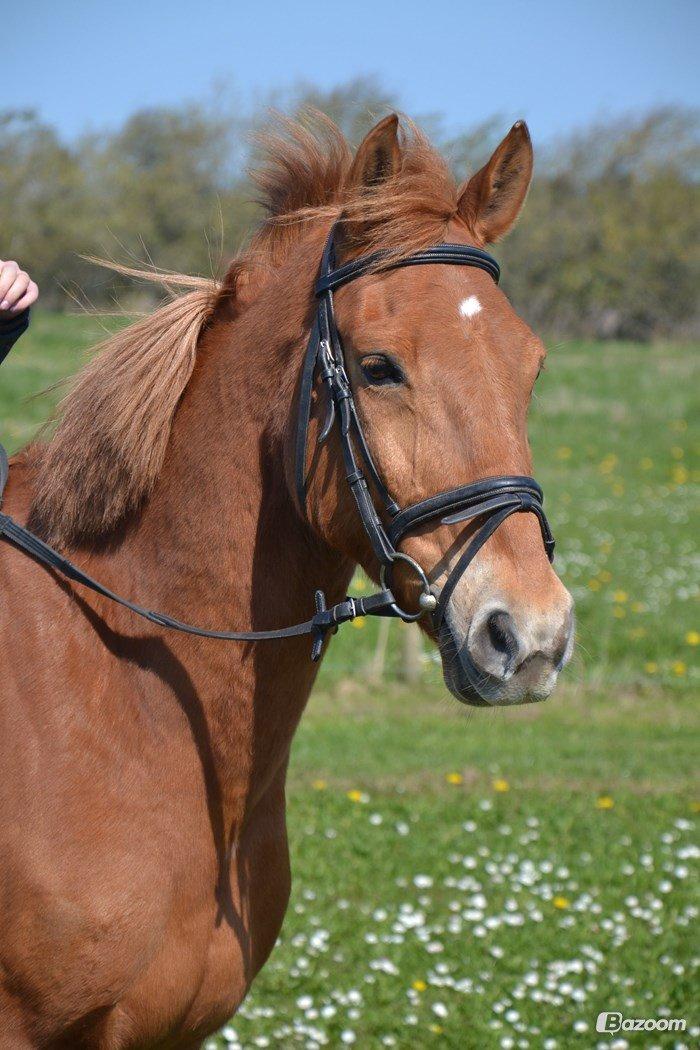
491	500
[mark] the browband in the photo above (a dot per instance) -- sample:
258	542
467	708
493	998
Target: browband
456	254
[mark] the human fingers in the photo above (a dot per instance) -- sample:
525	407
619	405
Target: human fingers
30	296
15	292
8	273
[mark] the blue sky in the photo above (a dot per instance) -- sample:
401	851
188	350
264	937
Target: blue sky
555	62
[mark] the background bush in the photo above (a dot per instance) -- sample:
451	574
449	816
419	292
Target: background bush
607	245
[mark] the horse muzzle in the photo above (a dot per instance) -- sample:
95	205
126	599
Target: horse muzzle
502	657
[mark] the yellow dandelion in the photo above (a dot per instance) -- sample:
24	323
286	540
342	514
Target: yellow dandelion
605	576
679	475
608	464
695	807
454	778
360	584
618	489
358	623
678	425
419	986
594	585
679	668
561	902
564	452
500	784
677	452
637	632
692	638
646	463
651	667
356	796
437	1029
319	785
620	596
619	612
604	802
638	607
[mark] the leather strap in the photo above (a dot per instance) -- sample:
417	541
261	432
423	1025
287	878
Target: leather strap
463	562
4	471
468	501
456	254
498	509
306	385
324	619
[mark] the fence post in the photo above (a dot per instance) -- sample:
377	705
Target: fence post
379	657
411	652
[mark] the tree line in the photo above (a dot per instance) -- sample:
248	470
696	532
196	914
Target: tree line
607	246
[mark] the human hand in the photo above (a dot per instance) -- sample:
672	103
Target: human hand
17	289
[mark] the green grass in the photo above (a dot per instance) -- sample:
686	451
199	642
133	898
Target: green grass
521	912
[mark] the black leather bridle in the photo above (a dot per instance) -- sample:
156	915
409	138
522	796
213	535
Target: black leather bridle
491	499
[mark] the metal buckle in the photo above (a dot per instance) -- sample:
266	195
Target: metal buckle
427	600
334	371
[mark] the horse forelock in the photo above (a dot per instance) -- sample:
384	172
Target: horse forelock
304	176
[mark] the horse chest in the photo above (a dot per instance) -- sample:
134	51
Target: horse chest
196	982
210	953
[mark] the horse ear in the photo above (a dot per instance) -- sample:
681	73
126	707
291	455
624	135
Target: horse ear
378	156
491	201
240	287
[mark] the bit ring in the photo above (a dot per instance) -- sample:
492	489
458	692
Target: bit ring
427	600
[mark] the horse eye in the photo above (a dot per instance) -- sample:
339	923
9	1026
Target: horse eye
380	370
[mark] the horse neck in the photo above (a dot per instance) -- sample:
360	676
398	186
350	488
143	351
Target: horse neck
222	543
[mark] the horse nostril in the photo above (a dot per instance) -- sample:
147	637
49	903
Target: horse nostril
494	646
501	634
501	645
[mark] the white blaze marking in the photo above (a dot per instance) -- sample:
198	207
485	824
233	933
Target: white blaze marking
470	307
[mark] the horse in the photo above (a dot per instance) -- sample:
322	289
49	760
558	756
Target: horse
145	872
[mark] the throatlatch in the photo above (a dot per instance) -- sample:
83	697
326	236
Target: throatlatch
492	499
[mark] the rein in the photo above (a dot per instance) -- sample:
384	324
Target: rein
493	499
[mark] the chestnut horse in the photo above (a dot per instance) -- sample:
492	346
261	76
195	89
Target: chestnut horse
144	873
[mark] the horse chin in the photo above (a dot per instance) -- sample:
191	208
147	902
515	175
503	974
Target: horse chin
475	688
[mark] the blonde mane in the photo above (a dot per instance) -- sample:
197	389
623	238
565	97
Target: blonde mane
114	425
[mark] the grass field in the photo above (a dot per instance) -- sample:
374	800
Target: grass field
478	879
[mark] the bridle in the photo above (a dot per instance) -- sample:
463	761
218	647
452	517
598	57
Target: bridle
491	499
